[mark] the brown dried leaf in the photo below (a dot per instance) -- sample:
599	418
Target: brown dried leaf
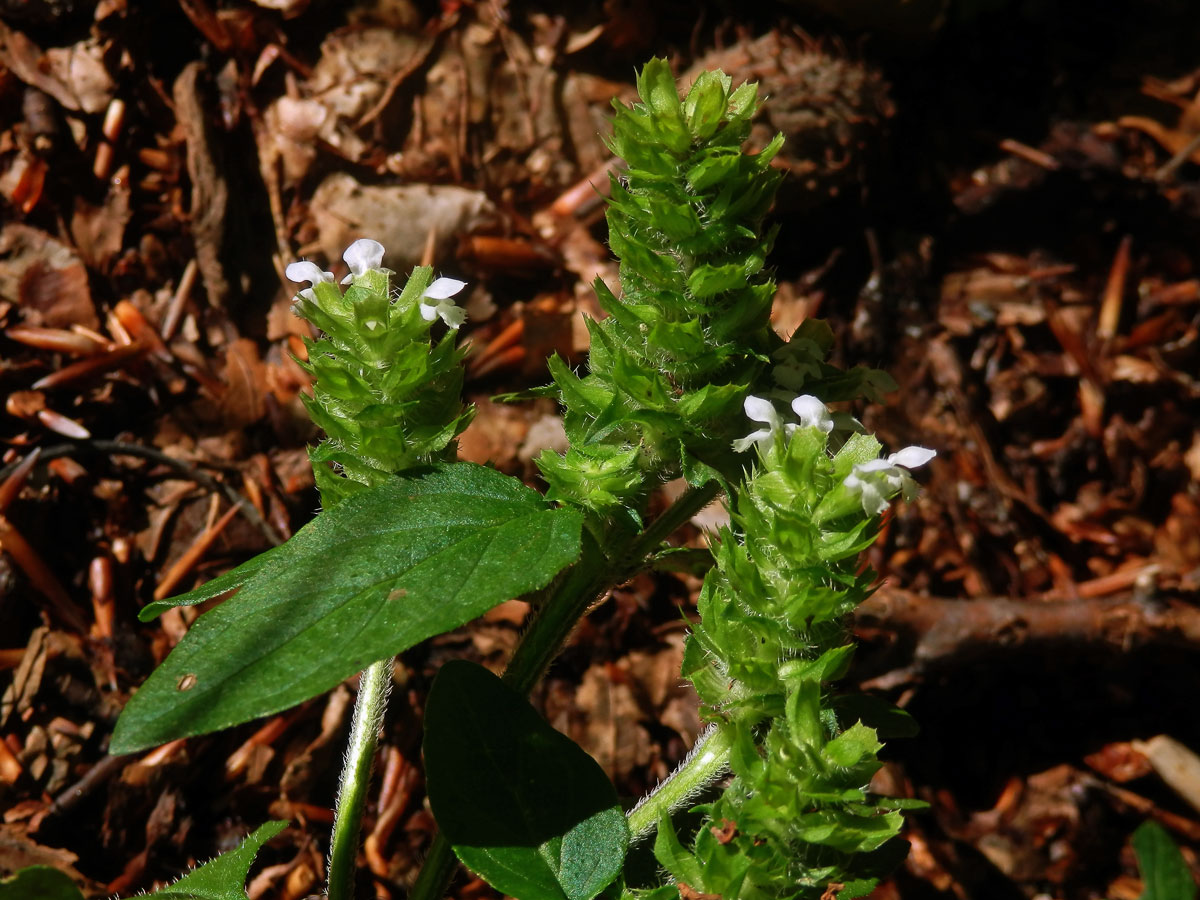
28	678
80	68
210	192
46	277
99	231
612	734
18	850
494	434
399	216
74	76
1119	762
1175	764
1135	369
245	379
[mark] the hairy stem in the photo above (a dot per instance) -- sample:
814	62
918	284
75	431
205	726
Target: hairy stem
595	572
707	762
373	687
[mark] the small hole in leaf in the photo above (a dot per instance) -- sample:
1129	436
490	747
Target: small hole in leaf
187	682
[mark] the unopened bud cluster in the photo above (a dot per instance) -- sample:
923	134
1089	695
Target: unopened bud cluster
689	335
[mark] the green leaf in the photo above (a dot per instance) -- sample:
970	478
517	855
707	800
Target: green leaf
379	572
523	805
852	745
223	584
708	281
1164	872
39	883
672	855
223	878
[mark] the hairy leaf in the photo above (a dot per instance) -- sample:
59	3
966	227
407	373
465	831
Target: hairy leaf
382	570
223	878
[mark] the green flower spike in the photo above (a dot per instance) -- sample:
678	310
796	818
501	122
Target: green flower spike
386	394
689	336
769	643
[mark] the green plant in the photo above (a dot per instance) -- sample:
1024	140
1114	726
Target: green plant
1165	872
412	544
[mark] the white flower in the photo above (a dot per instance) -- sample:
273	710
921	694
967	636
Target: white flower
440	292
307	271
362	256
879	477
761	410
812	413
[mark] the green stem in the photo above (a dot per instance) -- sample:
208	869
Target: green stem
691	502
568	601
557	617
436	871
373	687
595	572
707	762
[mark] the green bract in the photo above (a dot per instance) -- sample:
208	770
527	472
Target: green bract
689	337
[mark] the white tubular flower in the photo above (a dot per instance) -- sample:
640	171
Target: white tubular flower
362	256
812	413
761	410
878	479
307	271
440	293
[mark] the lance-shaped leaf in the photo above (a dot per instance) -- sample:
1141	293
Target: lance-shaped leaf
223	878
379	572
523	805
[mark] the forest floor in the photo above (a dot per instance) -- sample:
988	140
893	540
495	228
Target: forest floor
998	203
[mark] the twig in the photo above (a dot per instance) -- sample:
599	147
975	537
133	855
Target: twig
944	630
121	448
1183	155
92	779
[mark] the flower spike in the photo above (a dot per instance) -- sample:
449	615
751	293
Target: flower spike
441	291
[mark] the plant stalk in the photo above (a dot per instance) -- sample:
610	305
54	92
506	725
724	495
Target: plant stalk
373	687
436	871
707	762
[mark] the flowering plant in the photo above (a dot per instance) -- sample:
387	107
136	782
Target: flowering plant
412	544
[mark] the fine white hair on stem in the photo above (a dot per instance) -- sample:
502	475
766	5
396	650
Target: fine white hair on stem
697	749
375	684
